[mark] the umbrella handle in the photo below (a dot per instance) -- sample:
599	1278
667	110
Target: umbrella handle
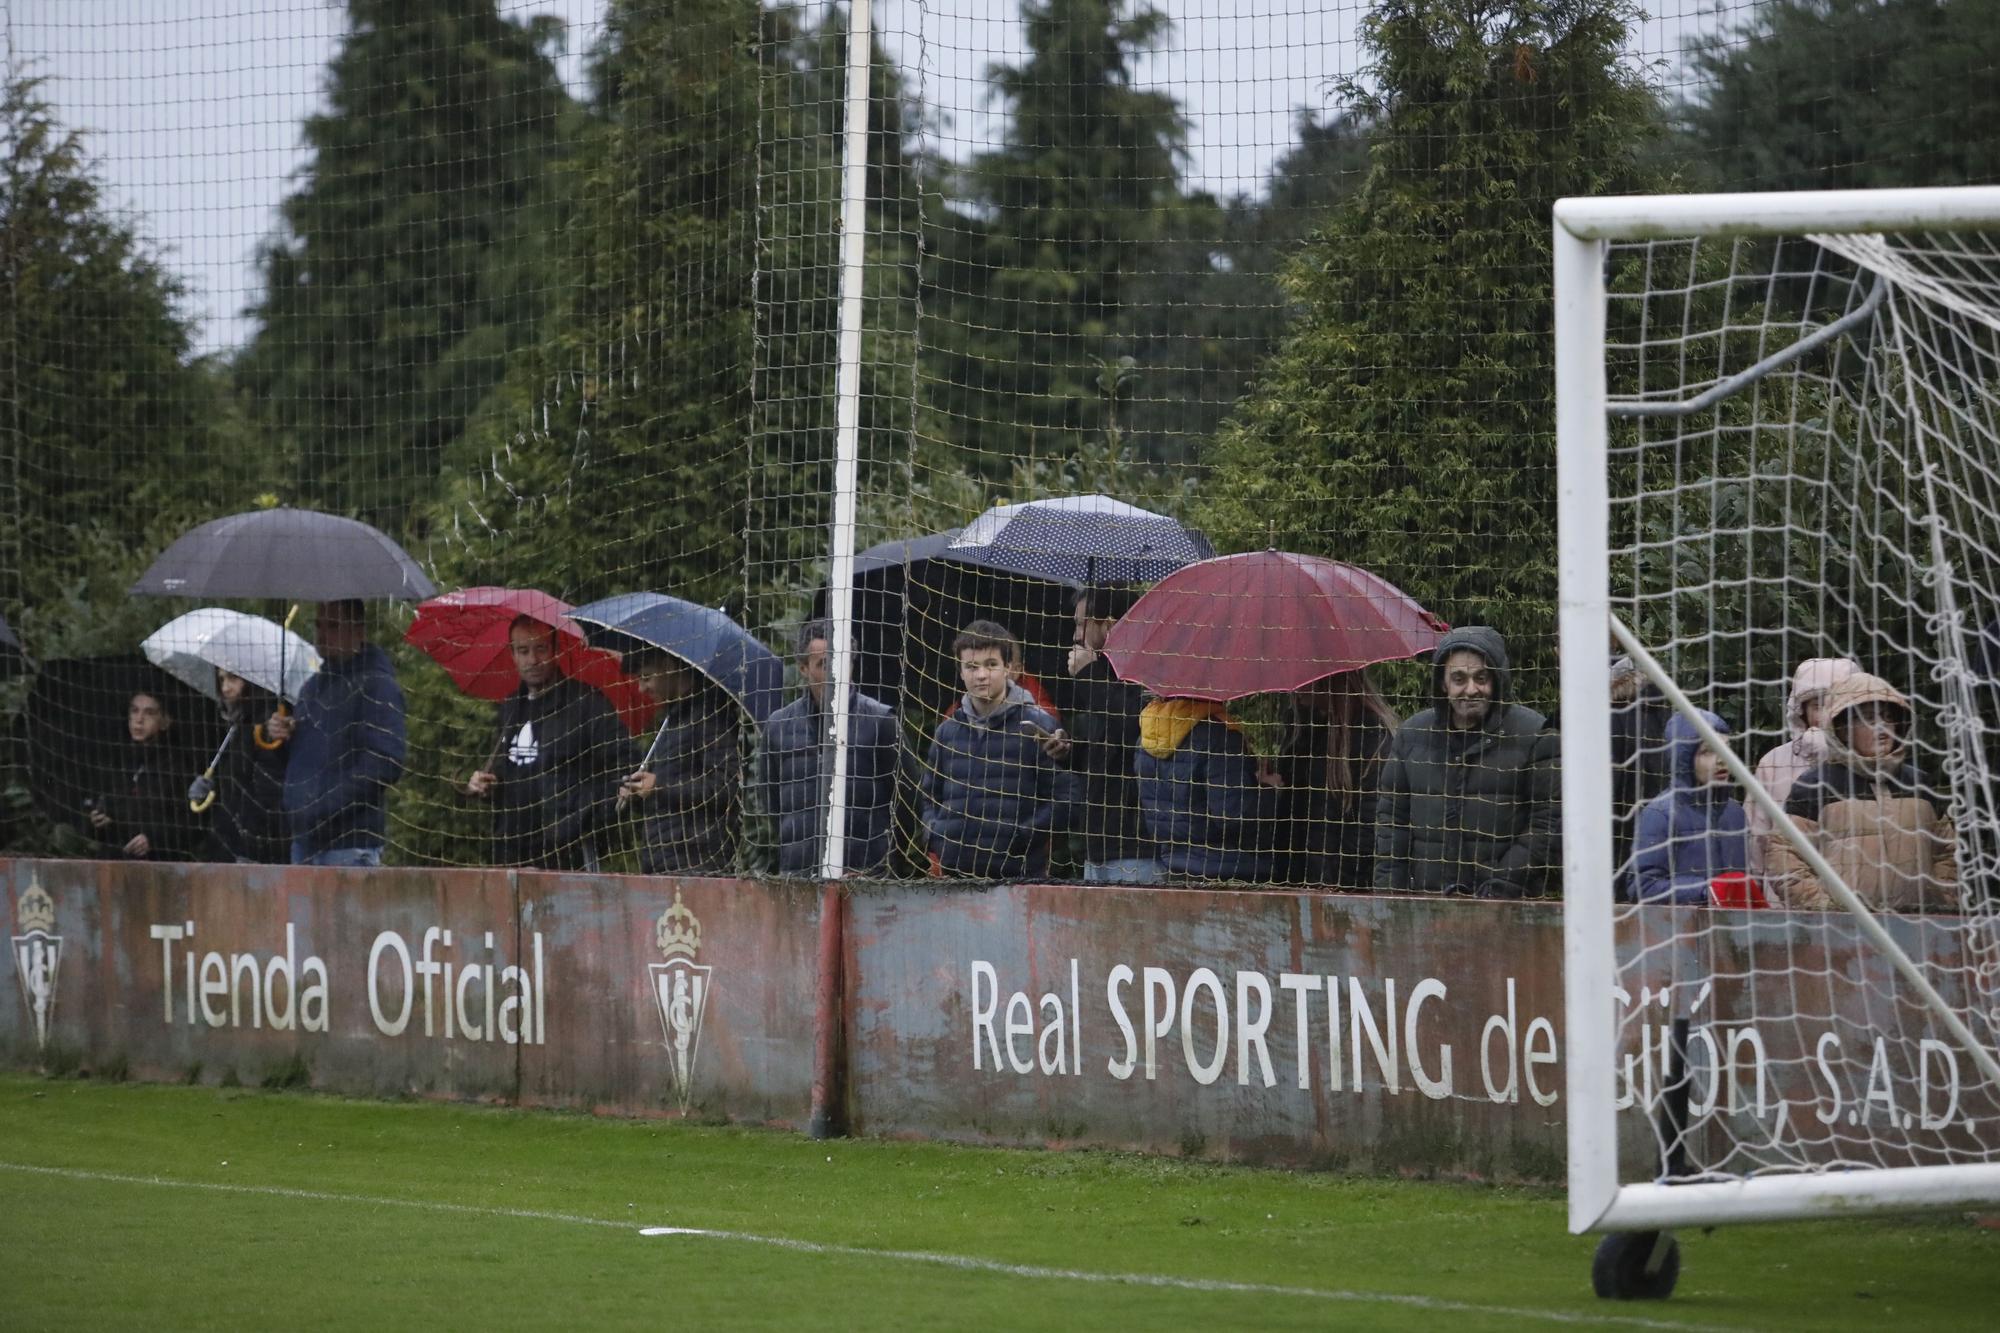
284	642
257	732
203	791
646	763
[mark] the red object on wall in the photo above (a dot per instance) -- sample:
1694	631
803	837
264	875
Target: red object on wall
465	632
1736	889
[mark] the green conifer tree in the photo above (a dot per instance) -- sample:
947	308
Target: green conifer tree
1406	423
388	307
1029	297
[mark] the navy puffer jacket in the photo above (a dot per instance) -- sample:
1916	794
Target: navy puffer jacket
1198	789
991	796
797	764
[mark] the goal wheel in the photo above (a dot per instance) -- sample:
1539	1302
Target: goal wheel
1636	1266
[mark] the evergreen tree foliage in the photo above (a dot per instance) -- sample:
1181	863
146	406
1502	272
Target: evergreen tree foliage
113	434
1211	308
405	270
611	456
1849	94
793	437
1406	423
1032	289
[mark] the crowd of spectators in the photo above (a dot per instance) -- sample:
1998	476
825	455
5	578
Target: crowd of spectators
1460	799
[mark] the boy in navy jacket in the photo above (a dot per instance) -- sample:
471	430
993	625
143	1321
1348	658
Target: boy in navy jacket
995	788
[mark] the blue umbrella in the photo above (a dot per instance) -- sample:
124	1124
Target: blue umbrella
1080	539
706	640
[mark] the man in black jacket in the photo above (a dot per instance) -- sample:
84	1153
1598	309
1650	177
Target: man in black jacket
795	770
1103	717
1468	796
554	776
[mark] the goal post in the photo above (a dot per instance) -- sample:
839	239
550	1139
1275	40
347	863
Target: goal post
1778	437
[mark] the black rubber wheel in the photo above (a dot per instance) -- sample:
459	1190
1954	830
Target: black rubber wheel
1619	1271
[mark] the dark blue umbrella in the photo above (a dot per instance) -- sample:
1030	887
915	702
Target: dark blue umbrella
1080	539
706	640
912	595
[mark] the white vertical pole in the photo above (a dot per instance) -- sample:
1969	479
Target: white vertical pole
847	427
1584	620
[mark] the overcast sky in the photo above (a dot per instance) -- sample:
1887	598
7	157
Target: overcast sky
194	107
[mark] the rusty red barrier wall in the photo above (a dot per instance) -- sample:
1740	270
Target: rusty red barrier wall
636	996
1375	1033
1089	1014
1369	1033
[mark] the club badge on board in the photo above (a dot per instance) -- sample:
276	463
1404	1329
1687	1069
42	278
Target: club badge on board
680	987
37	955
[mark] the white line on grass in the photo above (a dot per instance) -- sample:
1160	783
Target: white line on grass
965	1263
1176	1283
319	1196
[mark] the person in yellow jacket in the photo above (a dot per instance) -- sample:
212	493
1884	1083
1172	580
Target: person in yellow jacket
1868	811
1198	792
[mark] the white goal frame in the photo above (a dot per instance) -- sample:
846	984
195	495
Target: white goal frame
1584	229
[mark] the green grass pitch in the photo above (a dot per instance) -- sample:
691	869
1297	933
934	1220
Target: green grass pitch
165	1207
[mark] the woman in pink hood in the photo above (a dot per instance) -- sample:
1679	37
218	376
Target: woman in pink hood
1781	766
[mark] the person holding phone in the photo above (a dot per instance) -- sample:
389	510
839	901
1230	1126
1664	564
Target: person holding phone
996	788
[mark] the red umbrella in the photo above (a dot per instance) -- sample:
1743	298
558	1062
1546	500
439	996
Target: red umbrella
465	632
1264	622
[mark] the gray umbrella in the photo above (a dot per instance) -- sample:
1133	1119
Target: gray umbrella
293	554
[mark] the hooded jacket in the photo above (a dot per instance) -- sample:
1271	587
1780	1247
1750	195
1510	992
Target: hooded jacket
1458	809
1882	830
1198	787
247	822
562	753
346	752
1690	833
1783	764
693	817
992	796
797	766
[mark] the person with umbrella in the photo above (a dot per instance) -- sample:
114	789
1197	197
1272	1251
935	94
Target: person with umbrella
347	741
347	744
1468	796
248	824
1324	779
1204	808
247	665
704	669
1103	716
795	770
689	788
553	776
143	810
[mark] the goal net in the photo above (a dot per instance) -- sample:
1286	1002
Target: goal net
1781	678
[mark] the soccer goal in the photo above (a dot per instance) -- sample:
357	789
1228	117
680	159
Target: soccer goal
1779	465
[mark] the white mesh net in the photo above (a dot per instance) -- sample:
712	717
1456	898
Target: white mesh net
1804	530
